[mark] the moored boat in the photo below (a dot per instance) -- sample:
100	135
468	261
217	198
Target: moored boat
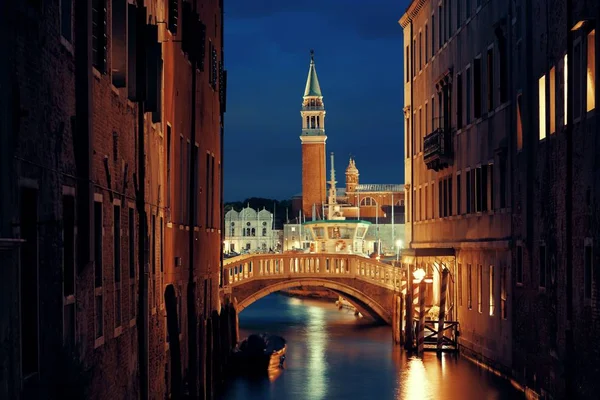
259	353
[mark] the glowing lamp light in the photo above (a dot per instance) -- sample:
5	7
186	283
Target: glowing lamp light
418	275
399	243
429	279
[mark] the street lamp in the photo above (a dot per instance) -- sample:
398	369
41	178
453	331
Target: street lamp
398	247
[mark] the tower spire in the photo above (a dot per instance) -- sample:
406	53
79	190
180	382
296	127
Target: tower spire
312	82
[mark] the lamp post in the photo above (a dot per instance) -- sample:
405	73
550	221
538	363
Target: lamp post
398	247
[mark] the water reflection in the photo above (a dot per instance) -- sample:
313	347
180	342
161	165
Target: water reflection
317	337
331	354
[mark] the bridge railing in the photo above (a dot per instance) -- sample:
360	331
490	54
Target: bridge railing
238	270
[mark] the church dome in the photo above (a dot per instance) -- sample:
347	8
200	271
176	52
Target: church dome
231	215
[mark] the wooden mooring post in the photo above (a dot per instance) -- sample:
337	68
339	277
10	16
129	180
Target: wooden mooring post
442	314
421	327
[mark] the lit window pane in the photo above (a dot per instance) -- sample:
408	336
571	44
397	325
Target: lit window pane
542	107
591	70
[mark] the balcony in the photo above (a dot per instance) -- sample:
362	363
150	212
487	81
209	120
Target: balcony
437	149
313	108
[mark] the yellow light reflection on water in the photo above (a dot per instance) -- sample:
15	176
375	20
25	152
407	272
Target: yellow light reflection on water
317	339
415	385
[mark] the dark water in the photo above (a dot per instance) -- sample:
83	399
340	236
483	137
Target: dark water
332	354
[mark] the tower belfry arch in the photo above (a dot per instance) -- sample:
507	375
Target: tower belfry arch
313	138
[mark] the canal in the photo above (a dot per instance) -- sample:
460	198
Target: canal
332	354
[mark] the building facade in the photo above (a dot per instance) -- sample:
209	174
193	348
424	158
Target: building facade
250	231
79	209
457	119
501	180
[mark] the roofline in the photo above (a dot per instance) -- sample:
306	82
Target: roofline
411	12
337	221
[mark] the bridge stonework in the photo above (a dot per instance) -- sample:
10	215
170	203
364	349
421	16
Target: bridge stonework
373	287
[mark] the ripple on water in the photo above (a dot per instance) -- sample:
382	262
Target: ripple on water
334	355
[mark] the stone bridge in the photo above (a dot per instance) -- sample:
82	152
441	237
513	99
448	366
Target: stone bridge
372	286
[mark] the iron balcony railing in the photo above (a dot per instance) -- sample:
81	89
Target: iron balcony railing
437	149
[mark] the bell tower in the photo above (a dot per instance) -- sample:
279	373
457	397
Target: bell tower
313	143
351	176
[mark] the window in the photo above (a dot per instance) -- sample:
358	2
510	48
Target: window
432	114
117	261
407	60
542	263
426	43
98	273
68	245
29	281
502	61
591	71
207	191
432	35
426	205
131	239
173	16
99	35
445	197
552	98
478	191
420	131
565	87
577	80
458	20
153	259
503	292
182	174
69	269
492	301
520	264
66	19
459	283
407	137
468	94
458	194
587	270
195	187
459	102
490	175
450	195
212	191
433	199
502	171
441	28
420	49
480	288
161	244
468	191
519	123
264	231
368	201
168	189
484	188
118	46
440	199
477	88
188	168
490	79
542	107
449	20
469	288
414	58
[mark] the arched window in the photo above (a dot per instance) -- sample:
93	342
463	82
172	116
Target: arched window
232	231
247	231
253	231
264	231
400	203
318	122
368	201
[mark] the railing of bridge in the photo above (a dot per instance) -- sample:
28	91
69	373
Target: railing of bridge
239	270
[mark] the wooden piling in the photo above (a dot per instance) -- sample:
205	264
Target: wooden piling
442	314
421	333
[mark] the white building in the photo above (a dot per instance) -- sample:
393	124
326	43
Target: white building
250	231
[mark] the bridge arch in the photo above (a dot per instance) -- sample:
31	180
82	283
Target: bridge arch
363	302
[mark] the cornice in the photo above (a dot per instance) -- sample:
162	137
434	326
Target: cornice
411	12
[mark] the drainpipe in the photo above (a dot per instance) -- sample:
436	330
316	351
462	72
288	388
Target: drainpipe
142	320
191	292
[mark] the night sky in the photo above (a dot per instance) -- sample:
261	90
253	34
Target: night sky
358	56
